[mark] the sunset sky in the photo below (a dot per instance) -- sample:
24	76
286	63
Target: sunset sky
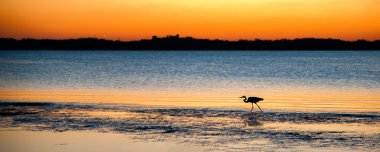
213	19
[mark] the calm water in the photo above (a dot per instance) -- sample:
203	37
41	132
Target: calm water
286	80
188	101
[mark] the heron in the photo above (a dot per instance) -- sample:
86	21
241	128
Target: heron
253	100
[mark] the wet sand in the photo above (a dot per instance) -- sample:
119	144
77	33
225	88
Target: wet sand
122	127
18	140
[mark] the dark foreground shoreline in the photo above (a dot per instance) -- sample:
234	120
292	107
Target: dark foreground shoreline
186	43
200	127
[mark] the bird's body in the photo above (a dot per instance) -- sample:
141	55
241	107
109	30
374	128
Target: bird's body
253	100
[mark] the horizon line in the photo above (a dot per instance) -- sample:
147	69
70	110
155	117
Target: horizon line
195	38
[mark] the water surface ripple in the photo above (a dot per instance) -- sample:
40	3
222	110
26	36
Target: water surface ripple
226	130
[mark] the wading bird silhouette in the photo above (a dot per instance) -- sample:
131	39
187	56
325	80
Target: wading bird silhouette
253	100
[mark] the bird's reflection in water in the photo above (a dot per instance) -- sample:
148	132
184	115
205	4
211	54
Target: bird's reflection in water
251	119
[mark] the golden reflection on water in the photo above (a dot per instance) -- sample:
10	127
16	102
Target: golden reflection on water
245	120
338	127
16	140
221	128
358	100
190	120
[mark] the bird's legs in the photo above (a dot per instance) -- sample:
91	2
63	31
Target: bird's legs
258	106
252	107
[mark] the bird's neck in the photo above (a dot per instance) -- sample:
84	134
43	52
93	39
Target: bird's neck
245	99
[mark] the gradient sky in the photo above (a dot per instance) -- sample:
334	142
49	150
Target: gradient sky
223	19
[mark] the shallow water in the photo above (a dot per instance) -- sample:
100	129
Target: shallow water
332	81
78	141
201	128
188	101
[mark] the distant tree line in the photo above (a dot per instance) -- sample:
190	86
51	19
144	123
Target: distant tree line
186	43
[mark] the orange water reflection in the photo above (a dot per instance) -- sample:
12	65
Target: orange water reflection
80	141
359	100
354	128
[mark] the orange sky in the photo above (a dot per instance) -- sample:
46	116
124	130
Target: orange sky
223	19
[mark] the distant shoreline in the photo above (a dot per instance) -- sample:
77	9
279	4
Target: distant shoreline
186	43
